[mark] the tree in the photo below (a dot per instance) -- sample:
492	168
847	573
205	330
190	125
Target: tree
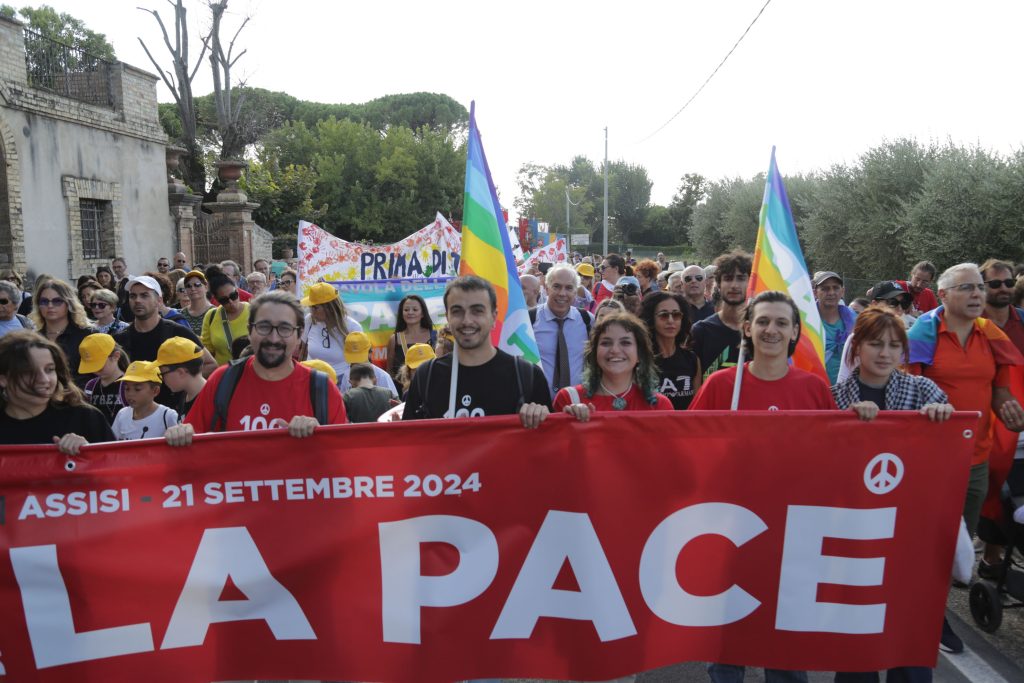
180	84
693	189
629	197
228	106
63	28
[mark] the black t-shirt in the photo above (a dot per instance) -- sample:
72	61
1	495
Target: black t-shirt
489	389
678	377
69	341
106	399
144	346
56	421
872	394
366	404
696	314
716	344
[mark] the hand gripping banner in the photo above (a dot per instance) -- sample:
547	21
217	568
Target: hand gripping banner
447	550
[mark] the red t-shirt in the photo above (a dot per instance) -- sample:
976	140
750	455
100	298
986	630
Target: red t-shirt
260	404
1014	329
634	400
924	300
602	291
798	390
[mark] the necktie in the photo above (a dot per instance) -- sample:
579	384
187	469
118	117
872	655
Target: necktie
561	357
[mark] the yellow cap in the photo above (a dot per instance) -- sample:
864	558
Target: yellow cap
94	351
357	347
142	371
418	354
323	366
177	350
585	269
320	293
195	273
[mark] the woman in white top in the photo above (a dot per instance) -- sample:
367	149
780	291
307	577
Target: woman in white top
326	327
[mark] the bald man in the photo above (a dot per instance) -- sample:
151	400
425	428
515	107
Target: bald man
697	307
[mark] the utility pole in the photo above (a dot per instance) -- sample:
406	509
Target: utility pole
605	243
567	230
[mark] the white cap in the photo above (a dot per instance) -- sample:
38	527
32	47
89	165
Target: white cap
147	282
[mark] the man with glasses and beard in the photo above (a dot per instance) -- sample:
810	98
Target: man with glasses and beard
269	389
716	339
697	307
142	339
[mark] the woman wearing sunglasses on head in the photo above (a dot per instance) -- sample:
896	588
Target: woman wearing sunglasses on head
59	316
226	322
679	368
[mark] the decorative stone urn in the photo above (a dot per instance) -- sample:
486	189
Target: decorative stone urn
174	157
229	171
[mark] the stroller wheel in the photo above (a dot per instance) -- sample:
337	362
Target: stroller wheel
986	606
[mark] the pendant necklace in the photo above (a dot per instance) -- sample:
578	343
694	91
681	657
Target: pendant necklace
618	403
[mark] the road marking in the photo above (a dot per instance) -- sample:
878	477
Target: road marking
973	667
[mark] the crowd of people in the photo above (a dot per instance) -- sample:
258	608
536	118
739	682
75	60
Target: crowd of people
171	353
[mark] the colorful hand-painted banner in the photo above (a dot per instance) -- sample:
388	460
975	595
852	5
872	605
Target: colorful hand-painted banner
375	305
454	549
555	252
487	252
432	251
779	265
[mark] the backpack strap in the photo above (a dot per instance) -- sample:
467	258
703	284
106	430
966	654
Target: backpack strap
25	322
422	381
225	390
524	380
90	387
585	314
227	328
318	395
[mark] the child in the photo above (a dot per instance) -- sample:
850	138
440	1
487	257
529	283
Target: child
180	362
324	367
101	356
417	355
365	401
143	417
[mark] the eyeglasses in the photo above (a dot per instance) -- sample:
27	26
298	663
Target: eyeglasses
287	283
325	338
969	287
223	300
995	284
690	278
98	304
665	315
55	302
195	285
263	328
4	302
629	290
898	302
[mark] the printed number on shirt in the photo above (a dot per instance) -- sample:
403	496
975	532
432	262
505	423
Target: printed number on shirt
254	424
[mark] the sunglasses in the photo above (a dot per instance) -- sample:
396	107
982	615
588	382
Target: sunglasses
56	301
665	315
195	285
223	300
98	304
629	290
898	302
4	302
995	284
691	278
287	283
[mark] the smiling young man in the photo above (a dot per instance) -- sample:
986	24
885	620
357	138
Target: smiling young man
490	381
771	329
268	390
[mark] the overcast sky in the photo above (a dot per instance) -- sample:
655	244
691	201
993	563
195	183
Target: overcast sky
821	80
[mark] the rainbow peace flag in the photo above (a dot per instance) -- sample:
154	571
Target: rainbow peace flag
487	251
779	265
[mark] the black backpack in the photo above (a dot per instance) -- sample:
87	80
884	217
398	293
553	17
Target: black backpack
226	389
524	384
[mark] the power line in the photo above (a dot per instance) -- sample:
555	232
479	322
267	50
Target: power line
720	64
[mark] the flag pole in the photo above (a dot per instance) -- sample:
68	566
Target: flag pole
455	382
739	377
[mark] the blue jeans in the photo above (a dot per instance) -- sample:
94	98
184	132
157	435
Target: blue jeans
730	673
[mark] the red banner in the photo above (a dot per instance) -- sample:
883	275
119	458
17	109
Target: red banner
462	549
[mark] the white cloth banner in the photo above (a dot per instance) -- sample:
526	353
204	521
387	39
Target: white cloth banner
555	252
432	251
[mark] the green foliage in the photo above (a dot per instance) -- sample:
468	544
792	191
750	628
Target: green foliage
356	181
900	202
63	28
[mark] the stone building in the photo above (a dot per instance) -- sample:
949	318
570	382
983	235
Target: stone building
83	174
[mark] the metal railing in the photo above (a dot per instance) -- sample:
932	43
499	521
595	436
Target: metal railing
67	71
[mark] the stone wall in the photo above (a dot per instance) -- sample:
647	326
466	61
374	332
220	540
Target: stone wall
262	243
58	151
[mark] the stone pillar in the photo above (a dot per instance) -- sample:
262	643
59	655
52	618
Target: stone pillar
182	204
234	213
